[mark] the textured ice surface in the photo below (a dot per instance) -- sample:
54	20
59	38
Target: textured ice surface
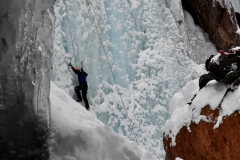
236	5
26	47
150	45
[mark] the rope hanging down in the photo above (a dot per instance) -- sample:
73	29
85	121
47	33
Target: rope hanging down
70	31
111	70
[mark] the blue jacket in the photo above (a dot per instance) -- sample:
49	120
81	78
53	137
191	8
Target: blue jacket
82	76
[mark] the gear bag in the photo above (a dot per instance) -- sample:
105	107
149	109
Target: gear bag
208	61
220	65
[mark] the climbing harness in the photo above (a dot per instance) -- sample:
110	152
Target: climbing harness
87	2
227	12
70	30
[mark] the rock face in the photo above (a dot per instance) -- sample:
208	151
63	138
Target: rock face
25	61
215	21
205	142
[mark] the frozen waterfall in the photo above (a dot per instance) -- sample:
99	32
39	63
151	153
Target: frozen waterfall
153	47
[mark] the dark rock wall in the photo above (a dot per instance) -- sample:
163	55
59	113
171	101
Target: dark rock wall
215	21
25	63
238	17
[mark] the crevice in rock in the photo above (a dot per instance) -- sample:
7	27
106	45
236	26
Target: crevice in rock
237	17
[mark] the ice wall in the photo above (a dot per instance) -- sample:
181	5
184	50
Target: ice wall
236	5
150	50
26	48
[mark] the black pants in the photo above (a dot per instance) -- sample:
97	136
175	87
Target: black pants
231	77
228	79
83	88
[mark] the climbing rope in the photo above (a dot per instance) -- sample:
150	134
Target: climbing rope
72	41
70	31
111	69
227	13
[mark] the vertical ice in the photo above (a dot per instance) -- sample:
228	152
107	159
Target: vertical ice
236	5
148	48
26	48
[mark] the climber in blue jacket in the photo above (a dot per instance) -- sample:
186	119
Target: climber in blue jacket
82	76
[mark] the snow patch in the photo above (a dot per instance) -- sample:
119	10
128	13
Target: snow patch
77	134
184	114
238	31
215	59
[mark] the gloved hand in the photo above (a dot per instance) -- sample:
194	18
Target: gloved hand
70	64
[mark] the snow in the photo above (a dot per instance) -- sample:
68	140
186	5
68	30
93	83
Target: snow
236	5
184	114
224	4
229	4
215	59
201	46
77	134
236	48
238	31
153	48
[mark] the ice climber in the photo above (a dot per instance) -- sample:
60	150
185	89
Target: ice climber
82	76
223	67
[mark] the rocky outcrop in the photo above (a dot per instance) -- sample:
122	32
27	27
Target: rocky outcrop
215	21
205	142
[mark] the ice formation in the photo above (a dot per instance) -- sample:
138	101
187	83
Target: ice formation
26	42
151	47
236	5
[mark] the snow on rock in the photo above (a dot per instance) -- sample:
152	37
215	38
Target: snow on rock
178	158
220	27
236	5
184	114
202	128
238	31
77	134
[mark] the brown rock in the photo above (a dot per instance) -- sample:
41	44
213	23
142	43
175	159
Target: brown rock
215	21
206	143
